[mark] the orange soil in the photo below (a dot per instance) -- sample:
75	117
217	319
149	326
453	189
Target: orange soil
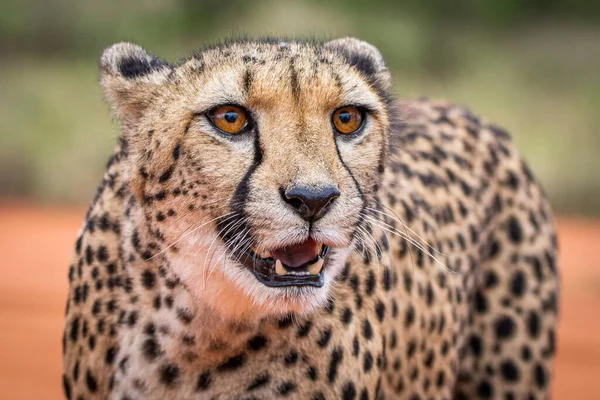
36	242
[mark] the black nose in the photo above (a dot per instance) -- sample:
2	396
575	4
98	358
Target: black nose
311	203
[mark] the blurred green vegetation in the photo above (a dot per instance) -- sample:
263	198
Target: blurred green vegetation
530	65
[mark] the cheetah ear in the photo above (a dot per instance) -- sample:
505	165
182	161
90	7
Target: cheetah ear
365	57
130	77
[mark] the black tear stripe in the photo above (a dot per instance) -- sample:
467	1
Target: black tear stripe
238	202
362	195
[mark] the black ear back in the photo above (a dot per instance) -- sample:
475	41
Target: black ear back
133	67
365	58
129	76
130	61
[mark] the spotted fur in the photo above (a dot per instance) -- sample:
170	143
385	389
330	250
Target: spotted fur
443	279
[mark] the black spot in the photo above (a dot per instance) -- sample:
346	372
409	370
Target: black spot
509	370
475	345
411	348
286	388
169	374
408	282
285	321
504	327
102	254
349	391
355	346
336	358
387	279
66	387
148	279
92	342
518	283
429	359
380	310
76	371
132	319
166	175
157	303
324	338
304	329
367	330
151	349
541	378
346	317
364	395
312	373
491	280
533	324
429	295
526	353
233	363
204	381
370	283
367	361
111	353
318	396
185	315
259	381
515	232
257	342
481	305
74	332
410	316
89	255
291	357
485	390
91	382
441	378
176	151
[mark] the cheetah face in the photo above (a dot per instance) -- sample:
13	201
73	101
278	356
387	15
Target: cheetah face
255	162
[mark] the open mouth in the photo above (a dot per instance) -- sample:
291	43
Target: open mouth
301	264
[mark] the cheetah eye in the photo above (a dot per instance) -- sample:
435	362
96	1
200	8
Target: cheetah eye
348	119
229	119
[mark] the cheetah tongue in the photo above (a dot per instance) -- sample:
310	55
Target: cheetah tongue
297	255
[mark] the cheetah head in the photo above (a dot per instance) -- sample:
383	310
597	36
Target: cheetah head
253	162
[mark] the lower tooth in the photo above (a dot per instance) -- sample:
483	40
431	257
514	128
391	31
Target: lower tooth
316	267
279	269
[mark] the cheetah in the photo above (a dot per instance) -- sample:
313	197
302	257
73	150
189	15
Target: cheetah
274	224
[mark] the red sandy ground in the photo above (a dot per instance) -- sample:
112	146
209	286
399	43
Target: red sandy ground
36	242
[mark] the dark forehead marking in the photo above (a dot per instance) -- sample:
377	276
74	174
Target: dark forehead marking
295	84
247	79
336	77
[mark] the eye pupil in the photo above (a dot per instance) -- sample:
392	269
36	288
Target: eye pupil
230	116
345	117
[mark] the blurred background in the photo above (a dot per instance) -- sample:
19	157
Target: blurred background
532	66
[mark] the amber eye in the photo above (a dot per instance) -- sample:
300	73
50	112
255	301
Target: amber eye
347	119
229	119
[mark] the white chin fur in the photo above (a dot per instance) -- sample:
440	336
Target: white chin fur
232	291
